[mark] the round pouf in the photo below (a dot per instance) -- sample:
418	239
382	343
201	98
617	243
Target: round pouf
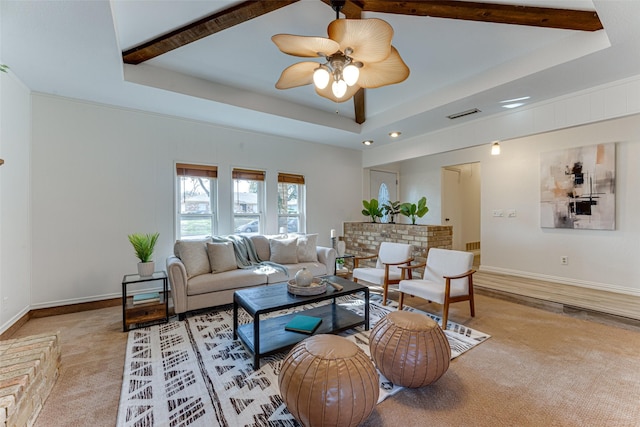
327	380
409	349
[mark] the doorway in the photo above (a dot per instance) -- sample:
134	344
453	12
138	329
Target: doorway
461	206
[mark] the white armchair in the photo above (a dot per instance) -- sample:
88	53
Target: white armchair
448	278
387	270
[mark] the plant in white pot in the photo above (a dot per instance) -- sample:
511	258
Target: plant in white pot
143	245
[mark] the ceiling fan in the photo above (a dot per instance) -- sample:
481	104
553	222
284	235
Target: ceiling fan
580	20
358	54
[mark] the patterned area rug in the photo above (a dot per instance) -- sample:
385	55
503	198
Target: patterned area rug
193	373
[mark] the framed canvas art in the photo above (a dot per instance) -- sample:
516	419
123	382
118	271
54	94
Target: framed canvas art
577	187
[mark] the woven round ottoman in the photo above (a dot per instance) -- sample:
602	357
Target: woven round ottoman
409	349
327	380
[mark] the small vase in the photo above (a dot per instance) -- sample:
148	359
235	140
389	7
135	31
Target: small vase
146	269
304	277
341	246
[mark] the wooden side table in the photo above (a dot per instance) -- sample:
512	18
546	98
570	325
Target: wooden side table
147	312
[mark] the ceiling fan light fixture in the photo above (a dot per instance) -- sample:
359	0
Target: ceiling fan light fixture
321	77
350	74
339	88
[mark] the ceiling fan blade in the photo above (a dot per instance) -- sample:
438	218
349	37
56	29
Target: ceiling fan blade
305	46
567	19
298	74
390	71
370	39
328	93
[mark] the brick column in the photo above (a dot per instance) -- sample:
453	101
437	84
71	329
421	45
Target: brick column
364	238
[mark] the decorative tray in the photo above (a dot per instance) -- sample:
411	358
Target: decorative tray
317	287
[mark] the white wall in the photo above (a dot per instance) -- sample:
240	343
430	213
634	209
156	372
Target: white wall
100	173
15	230
599	259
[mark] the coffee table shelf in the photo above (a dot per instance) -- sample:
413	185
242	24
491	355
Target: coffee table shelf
274	338
267	336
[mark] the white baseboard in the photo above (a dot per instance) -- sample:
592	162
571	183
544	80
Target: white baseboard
561	280
91	299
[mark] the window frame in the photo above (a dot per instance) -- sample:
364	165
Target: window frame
259	177
293	179
195	171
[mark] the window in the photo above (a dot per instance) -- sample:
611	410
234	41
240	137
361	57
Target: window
291	203
248	196
196	201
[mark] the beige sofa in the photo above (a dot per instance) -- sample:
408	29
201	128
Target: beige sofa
205	273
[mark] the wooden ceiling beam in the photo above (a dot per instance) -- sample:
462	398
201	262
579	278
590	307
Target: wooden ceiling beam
202	28
580	20
358	106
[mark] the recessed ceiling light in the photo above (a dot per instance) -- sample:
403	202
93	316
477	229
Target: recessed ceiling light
368	142
514	105
395	134
507	101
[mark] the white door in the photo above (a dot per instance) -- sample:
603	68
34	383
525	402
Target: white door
461	204
452	203
384	188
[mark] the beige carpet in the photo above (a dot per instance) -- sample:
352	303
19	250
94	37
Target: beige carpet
538	369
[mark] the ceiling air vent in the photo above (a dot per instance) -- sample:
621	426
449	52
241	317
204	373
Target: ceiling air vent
463	113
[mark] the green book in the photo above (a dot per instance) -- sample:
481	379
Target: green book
304	324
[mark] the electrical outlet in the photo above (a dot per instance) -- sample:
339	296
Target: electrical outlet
498	213
564	260
511	213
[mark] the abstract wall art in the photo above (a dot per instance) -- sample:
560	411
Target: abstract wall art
577	188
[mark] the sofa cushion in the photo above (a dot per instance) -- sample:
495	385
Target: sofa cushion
193	254
221	257
307	251
284	251
261	244
234	279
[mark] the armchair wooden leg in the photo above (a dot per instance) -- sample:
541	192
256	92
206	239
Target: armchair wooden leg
445	314
472	307
384	294
401	301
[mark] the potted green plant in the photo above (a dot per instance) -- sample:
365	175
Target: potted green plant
371	209
143	245
412	210
391	209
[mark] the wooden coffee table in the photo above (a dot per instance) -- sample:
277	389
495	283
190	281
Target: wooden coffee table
267	336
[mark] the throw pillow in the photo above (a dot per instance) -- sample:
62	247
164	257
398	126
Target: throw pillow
221	257
284	251
307	251
193	254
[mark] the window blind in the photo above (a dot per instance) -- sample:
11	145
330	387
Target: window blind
183	169
290	178
248	174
